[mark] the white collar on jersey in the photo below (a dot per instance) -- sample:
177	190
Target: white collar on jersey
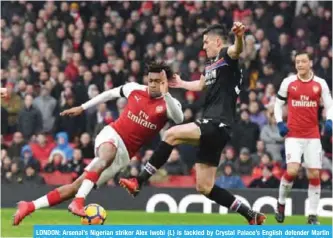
306	80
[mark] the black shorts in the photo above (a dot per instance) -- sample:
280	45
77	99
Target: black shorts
214	137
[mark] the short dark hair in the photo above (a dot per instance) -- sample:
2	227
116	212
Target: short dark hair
216	29
158	66
303	52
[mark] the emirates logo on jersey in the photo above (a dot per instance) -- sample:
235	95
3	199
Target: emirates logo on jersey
159	109
141	119
315	89
304	102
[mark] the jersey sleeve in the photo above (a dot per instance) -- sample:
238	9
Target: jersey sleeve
326	96
174	109
224	54
283	91
128	88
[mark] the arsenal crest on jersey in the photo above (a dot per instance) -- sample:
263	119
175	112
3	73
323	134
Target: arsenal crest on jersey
315	89
159	109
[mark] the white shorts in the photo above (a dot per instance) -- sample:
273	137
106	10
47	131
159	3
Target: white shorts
310	149
109	135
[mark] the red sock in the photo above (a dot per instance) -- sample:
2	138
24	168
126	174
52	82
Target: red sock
288	177
314	181
54	198
31	207
92	176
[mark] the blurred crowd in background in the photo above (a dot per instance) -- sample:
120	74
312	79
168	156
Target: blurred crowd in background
56	55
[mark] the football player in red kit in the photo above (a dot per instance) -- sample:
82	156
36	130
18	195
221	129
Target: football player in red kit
147	111
303	93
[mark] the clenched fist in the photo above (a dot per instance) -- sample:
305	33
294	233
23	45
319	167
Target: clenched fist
238	29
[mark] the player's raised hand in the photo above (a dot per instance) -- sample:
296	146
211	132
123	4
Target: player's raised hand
164	83
3	92
238	29
176	81
72	112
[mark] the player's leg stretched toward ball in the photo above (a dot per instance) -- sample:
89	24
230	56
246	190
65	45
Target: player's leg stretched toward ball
79	189
106	153
211	138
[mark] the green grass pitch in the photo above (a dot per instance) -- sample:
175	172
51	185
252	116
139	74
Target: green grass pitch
53	216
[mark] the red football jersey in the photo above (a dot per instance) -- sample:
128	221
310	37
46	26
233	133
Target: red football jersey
142	118
304	100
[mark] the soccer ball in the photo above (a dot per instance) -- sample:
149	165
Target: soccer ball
95	215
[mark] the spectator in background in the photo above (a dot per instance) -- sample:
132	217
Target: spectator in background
4	121
245	133
63	145
27	159
41	149
14	175
76	165
31	177
261	149
266	160
57	162
86	146
228	156
47	106
326	180
4	145
267	180
244	165
29	119
324	70
268	99
174	165
96	119
12	104
121	103
272	139
257	116
14	151
229	179
72	125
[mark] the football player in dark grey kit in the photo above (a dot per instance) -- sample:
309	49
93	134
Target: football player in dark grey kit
221	81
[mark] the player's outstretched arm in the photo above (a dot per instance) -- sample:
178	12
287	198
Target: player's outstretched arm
197	85
101	98
237	48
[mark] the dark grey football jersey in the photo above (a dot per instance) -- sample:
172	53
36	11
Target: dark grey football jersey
223	80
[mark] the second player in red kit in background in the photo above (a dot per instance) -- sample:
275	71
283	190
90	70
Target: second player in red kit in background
304	93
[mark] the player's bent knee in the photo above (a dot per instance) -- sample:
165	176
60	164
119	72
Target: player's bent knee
107	151
313	173
292	169
170	136
204	188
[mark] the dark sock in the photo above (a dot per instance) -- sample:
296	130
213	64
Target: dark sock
156	161
225	198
